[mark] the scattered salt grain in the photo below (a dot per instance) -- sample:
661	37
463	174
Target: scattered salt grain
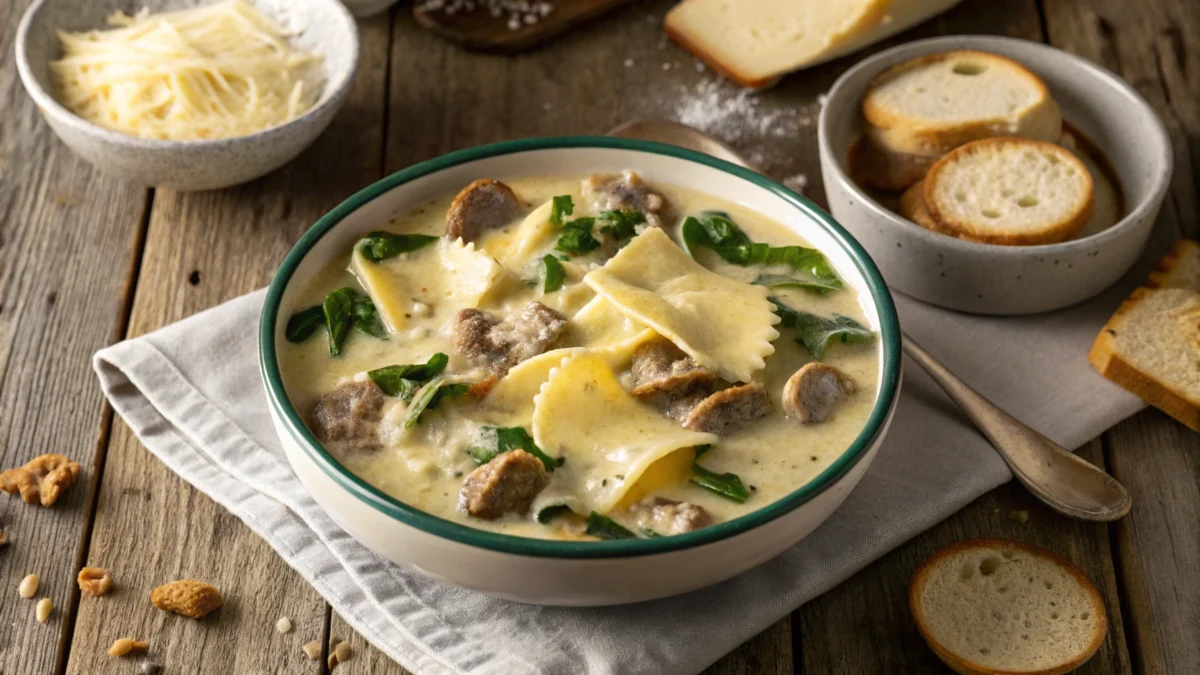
628	63
796	183
666	66
700	67
821	99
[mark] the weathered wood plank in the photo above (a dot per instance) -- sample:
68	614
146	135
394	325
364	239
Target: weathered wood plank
871	608
1151	45
202	249
68	237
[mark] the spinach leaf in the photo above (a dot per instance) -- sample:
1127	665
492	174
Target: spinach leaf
549	513
649	533
727	485
403	381
302	325
621	225
560	206
379	245
512	438
701	449
366	318
786	281
603	527
553	273
714	230
576	237
815	332
338	310
429	396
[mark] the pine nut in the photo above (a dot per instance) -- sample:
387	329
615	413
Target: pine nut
44	607
29	586
283	625
313	650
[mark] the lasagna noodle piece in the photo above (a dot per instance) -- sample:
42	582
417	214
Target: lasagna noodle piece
576	417
446	274
723	324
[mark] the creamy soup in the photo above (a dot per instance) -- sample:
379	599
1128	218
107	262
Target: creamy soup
578	357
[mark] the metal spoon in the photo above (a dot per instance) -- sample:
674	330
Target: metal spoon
1066	483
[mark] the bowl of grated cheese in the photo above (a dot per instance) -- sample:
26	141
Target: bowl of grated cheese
187	94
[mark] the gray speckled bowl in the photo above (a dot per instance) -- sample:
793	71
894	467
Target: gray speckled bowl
990	279
322	25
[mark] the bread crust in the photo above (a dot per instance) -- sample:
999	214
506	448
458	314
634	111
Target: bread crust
885	170
1106	359
912	206
873	15
1184	248
897	133
1053	234
964	666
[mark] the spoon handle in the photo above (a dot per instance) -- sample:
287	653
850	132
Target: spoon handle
1068	484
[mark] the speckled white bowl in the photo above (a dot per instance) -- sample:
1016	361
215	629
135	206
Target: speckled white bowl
990	279
570	572
322	25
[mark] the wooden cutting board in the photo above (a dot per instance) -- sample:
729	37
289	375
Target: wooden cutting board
485	25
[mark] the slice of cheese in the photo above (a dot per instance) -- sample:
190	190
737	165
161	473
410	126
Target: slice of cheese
574	417
723	324
754	42
448	276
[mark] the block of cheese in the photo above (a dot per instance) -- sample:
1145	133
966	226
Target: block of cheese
754	42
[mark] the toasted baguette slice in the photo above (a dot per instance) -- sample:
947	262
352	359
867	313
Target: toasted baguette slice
988	606
1011	191
1109	205
884	170
754	42
1151	345
912	206
932	104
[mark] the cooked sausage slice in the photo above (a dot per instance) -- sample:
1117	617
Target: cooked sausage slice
727	410
659	367
626	192
666	516
349	417
483	205
507	484
499	345
814	392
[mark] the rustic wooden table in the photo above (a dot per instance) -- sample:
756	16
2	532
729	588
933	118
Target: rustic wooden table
86	261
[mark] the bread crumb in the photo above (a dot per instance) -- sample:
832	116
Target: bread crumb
796	183
1021	516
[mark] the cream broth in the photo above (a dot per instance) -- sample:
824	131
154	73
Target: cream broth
425	465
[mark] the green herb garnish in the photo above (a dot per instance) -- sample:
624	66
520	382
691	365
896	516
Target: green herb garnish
649	533
366	318
560	206
727	485
403	381
302	325
338	310
378	246
576	237
701	449
553	273
551	512
620	226
716	231
603	527
816	332
512	438
429	396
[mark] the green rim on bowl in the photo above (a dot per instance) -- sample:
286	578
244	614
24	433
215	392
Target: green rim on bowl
277	397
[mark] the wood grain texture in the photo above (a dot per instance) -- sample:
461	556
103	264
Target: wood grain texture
68	237
1152	46
202	249
871	608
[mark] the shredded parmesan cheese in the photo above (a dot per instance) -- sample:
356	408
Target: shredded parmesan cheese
209	72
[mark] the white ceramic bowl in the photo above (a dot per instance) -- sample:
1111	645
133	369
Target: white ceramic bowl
321	25
559	572
990	279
